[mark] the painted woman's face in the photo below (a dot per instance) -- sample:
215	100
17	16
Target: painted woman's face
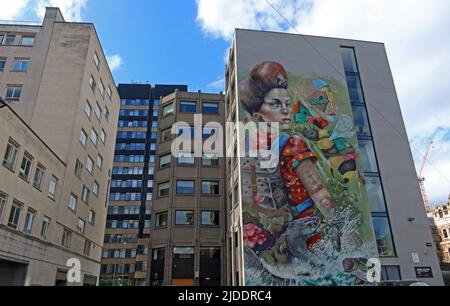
276	108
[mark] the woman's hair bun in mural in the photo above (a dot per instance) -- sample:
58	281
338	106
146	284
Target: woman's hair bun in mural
262	79
306	221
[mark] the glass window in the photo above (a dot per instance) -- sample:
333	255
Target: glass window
12	150
81	225
390	273
87	248
2	203
94	137
13	92
103	136
14	215
163	189
96	189
183	253
27	40
167	110
188	107
83	138
109	92
65	241
78	168
348	55
210	160
92	83
29	222
383	236
165	161
361	120
186	159
96	60
91	217
9	40
210	108
161	219
375	193
20	65
101	88
185	187
166	135
39	176
88	109
90	165
210	218
98	111
25	166
73	202
85	195
99	161
2	61
45	227
210	188
107	113
368	158
355	89
52	187
184	218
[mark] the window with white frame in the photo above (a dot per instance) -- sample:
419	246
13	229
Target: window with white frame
78	168
99	161
2	203
27	41
98	111
91	219
88	109
73	202
14	215
101	88
25	166
45	227
85	195
103	136
92	83
29	221
81	226
39	176
96	189
12	150
20	65
96	60
87	248
2	61
83	137
94	137
90	165
13	92
109	92
52	187
66	237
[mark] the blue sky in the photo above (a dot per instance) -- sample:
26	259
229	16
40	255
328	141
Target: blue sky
158	41
185	41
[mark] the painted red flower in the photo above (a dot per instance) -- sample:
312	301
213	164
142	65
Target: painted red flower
253	235
351	156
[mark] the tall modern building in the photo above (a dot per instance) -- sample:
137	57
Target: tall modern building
343	192
128	226
58	133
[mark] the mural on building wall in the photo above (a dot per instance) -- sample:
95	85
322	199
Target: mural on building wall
306	221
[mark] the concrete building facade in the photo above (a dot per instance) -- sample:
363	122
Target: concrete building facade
188	212
385	169
56	79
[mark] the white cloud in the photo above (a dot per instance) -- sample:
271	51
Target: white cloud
417	43
11	10
32	9
71	9
114	61
218	85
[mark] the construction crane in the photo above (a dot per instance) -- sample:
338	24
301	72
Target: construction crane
421	179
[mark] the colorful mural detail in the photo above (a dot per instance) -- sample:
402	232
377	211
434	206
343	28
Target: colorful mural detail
307	221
